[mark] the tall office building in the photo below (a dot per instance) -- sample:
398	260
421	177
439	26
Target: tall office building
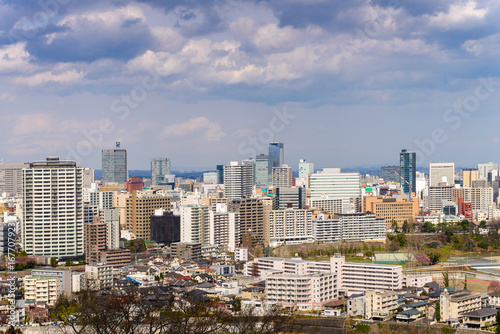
305	169
159	168
237	181
263	169
388	175
469	176
53	209
220	174
282	177
441	173
11	179
277	153
331	183
165	227
293	197
114	165
250	162
484	169
408	165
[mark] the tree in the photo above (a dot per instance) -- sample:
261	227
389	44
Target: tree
68	263
446	278
482	224
406	227
497	331
428	227
465	282
53	262
434	257
437	312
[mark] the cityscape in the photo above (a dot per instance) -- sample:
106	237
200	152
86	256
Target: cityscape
249	167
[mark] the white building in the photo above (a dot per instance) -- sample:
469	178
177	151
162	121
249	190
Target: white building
79	281
224	228
195	224
305	169
53	209
237	181
241	254
349	227
332	205
380	305
210	177
417	281
441	172
301	292
484	169
288	226
42	289
99	276
331	183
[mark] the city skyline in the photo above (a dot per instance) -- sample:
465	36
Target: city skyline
209	82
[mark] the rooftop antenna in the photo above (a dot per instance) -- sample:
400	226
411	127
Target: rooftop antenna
118	144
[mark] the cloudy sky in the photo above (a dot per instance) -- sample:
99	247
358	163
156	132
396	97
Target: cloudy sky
341	83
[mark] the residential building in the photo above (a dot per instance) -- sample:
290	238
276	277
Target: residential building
417	281
305	169
224	228
195	224
330	205
277	153
95	240
479	198
302	292
380	305
349	227
165	227
99	276
64	276
441	173
139	209
88	178
114	166
287	226
331	183
481	318
241	254
53	209
456	305
210	177
408	166
159	168
115	257
237	181
110	217
263	170
282	177
42	289
437	195
252	163
485	169
186	250
252	222
392	209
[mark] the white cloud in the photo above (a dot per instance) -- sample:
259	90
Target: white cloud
211	131
70	76
463	15
14	58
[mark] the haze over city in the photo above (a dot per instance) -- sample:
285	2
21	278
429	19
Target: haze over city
194	79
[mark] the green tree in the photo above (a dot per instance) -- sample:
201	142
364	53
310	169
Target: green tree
434	257
401	238
437	313
428	227
465	282
406	227
497	331
53	262
446	278
68	263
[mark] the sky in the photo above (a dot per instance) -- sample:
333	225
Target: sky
204	82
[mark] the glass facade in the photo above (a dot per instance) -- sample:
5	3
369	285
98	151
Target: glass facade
114	166
408	164
277	153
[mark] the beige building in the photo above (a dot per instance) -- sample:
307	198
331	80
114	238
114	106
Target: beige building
140	207
440	173
391	209
453	307
469	176
282	177
252	222
99	276
380	305
42	289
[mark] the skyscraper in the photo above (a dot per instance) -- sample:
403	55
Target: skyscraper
237	181
305	169
159	168
263	169
408	165
282	177
11	178
53	209
114	165
277	153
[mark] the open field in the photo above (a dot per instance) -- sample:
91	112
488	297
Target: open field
474	285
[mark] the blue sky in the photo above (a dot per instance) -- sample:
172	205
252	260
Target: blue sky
341	83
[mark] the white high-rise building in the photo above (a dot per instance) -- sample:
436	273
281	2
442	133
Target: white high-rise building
288	226
484	169
305	169
53	209
440	172
331	183
237	181
195	224
224	228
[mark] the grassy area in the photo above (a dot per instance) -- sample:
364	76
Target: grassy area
474	287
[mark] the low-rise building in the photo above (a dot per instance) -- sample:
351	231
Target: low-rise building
480	318
356	306
453	307
417	281
186	250
116	257
381	305
64	275
42	289
99	276
302	292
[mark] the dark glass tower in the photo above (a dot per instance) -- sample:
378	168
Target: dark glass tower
277	153
408	165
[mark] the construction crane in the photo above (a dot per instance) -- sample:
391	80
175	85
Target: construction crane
408	183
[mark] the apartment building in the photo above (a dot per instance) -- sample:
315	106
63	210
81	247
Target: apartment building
99	276
64	276
331	183
186	250
252	222
115	257
42	289
349	227
331	205
301	292
282	177
380	305
287	227
139	209
238	181
480	198
95	240
454	306
352	277
224	228
195	224
391	209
